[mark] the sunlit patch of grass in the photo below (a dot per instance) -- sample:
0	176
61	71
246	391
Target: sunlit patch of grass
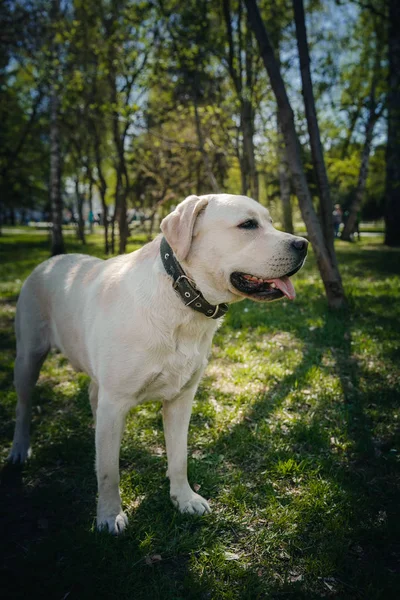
294	438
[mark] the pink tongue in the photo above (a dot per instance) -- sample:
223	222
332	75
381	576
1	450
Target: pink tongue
285	285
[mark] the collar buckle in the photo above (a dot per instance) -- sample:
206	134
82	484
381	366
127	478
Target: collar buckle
177	281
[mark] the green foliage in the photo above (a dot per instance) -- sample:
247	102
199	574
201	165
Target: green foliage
129	75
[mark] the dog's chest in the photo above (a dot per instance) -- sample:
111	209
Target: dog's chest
178	362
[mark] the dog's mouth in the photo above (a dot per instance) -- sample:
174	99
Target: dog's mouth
264	290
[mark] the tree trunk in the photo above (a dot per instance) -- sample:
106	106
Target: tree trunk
103	190
151	227
326	207
284	185
122	224
57	241
248	113
392	213
112	242
105	222
327	267
247	162
203	152
362	178
91	223
248	159
81	221
102	184
243	174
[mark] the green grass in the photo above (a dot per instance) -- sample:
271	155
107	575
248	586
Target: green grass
294	437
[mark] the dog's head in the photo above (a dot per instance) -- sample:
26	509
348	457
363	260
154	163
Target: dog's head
231	249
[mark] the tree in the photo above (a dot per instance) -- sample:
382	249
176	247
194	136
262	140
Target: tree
392	213
188	51
284	185
57	241
374	111
242	68
128	42
24	115
317	153
328	268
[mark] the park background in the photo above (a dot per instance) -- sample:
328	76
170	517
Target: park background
114	111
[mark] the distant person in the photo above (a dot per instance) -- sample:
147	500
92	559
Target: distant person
337	219
91	221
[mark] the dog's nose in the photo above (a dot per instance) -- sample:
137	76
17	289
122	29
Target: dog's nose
300	244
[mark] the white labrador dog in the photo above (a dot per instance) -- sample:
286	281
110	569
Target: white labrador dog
141	337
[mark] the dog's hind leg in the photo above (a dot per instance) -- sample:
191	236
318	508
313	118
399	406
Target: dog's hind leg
26	373
93	397
33	346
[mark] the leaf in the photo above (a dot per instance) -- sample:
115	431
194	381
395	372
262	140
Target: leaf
152	560
231	556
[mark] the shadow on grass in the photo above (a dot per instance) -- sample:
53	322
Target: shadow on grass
343	541
363	547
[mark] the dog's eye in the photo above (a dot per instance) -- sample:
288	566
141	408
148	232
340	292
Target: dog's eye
249	224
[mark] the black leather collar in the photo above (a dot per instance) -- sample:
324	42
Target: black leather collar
186	287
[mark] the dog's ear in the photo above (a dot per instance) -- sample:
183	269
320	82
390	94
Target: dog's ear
177	227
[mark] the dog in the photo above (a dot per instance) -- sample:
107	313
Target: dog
141	326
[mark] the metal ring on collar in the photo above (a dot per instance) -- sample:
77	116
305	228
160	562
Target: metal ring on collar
214	313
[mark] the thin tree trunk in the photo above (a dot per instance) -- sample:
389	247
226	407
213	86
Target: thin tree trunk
326	207
284	173
122	224
91	224
392	213
362	178
112	242
121	169
251	175
353	121
105	224
203	152
103	191
247	162
120	214
248	113
284	186
102	185
373	116
151	227
328	268
57	241
81	221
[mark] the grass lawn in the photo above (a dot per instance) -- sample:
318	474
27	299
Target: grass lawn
294	438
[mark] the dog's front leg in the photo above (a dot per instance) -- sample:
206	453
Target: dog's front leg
176	415
110	423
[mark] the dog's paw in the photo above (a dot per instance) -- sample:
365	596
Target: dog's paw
191	503
19	452
114	524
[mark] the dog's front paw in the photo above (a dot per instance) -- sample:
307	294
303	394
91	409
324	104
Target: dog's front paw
114	524
19	452
191	503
